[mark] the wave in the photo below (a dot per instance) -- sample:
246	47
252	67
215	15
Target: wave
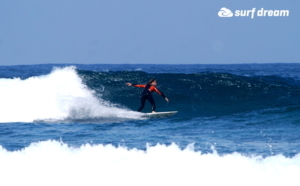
194	94
56	163
60	95
67	94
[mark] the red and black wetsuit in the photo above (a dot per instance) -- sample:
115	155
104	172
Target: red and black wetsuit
146	94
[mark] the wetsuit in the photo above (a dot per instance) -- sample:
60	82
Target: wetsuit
146	94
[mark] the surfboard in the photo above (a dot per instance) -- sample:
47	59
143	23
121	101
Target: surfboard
160	114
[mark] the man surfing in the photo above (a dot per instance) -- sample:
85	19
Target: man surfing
146	94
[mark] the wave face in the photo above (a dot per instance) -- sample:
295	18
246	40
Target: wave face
197	94
68	94
55	163
60	95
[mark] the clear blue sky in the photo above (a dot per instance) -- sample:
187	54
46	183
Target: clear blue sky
146	32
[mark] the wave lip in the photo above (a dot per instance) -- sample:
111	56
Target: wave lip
159	165
56	96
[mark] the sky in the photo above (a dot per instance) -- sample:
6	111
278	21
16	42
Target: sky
147	32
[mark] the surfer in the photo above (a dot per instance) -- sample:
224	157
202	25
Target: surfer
146	94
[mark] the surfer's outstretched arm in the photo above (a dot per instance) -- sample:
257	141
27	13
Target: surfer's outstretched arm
160	93
130	84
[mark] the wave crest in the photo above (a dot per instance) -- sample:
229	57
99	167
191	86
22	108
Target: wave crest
59	95
56	163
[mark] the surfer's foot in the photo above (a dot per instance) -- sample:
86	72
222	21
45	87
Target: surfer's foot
153	112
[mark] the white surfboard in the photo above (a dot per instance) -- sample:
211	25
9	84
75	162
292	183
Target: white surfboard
159	114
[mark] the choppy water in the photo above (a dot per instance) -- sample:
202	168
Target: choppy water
237	124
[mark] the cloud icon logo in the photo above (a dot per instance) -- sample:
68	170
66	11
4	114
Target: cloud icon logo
224	12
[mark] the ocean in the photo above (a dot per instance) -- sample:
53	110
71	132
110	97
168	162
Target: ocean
74	124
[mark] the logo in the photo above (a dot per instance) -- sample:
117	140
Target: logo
224	12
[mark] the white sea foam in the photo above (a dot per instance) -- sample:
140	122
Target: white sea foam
56	96
55	163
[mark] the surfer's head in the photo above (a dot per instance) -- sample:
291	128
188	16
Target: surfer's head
152	82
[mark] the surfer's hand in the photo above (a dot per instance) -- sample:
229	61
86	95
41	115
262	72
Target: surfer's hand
167	99
129	84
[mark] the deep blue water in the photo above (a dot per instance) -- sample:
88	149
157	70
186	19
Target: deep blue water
77	123
250	109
